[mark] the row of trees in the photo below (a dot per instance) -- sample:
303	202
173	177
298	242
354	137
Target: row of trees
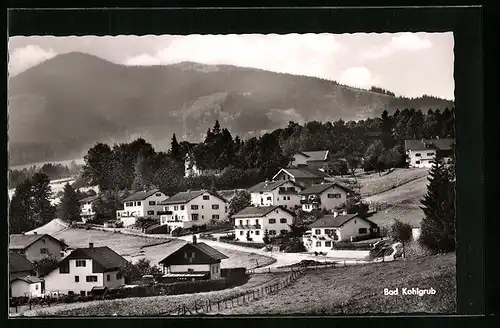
53	171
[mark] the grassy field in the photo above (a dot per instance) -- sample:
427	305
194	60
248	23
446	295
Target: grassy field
150	306
386	217
359	290
134	247
373	183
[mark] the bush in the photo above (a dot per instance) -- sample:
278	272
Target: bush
227	237
401	231
346	245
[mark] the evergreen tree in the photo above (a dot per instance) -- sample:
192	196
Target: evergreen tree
387	139
98	170
43	210
175	150
240	201
69	209
438	225
21	208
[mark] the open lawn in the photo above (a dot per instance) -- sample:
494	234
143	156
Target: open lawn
135	247
373	183
408	194
150	306
386	217
360	289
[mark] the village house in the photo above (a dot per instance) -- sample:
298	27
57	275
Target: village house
329	229
301	175
312	159
191	262
27	286
36	246
141	204
193	208
19	266
323	196
191	169
281	192
86	209
421	153
86	269
252	222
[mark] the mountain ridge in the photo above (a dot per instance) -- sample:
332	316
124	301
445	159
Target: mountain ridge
73	100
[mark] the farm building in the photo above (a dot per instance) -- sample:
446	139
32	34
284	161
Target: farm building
191	262
141	204
329	229
35	247
270	193
323	196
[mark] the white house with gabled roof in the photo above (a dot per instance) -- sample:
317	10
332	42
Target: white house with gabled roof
193	208
324	196
312	159
421	153
141	204
282	192
252	222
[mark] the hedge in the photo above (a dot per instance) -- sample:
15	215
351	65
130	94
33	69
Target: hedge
243	243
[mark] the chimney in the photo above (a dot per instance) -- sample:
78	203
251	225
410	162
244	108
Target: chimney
91	245
335	214
194	239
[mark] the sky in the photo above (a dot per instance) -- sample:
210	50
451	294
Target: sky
408	64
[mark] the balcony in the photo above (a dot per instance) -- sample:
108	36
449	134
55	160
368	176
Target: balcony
255	226
291	191
311	199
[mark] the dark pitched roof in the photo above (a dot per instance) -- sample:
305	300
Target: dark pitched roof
330	221
28	279
303	172
20	241
269	185
186	196
318	155
105	257
18	263
210	253
441	144
89	199
140	195
319	188
258	211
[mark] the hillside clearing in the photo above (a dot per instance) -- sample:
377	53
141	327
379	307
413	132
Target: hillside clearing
359	289
133	247
386	217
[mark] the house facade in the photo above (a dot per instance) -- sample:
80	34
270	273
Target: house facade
36	246
251	223
191	262
85	269
312	159
323	196
324	232
141	204
26	287
193	208
281	192
301	175
86	208
421	153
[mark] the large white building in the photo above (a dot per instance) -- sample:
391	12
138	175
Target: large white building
193	208
323	196
329	229
269	193
251	223
86	208
421	153
85	269
141	204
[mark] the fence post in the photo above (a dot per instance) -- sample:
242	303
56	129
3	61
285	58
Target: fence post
195	307
345	263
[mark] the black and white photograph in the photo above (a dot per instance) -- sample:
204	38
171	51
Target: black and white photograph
231	175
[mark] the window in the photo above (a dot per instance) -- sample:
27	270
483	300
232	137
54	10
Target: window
138	204
166	208
151	212
194	216
283	232
152	202
269	198
77	278
81	263
272	232
241	233
91	278
44	251
430	154
215	206
317	232
108	277
206	197
64	267
119	276
272	221
417	155
158	195
247	222
36	287
327	231
328	244
129	204
71	292
182	207
215	216
202	207
158	212
256	222
257	232
355	222
176	208
363	230
334	195
241	222
318	244
194	207
417	162
190	270
283	220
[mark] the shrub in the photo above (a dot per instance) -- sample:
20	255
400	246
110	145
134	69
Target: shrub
401	231
242	243
119	224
